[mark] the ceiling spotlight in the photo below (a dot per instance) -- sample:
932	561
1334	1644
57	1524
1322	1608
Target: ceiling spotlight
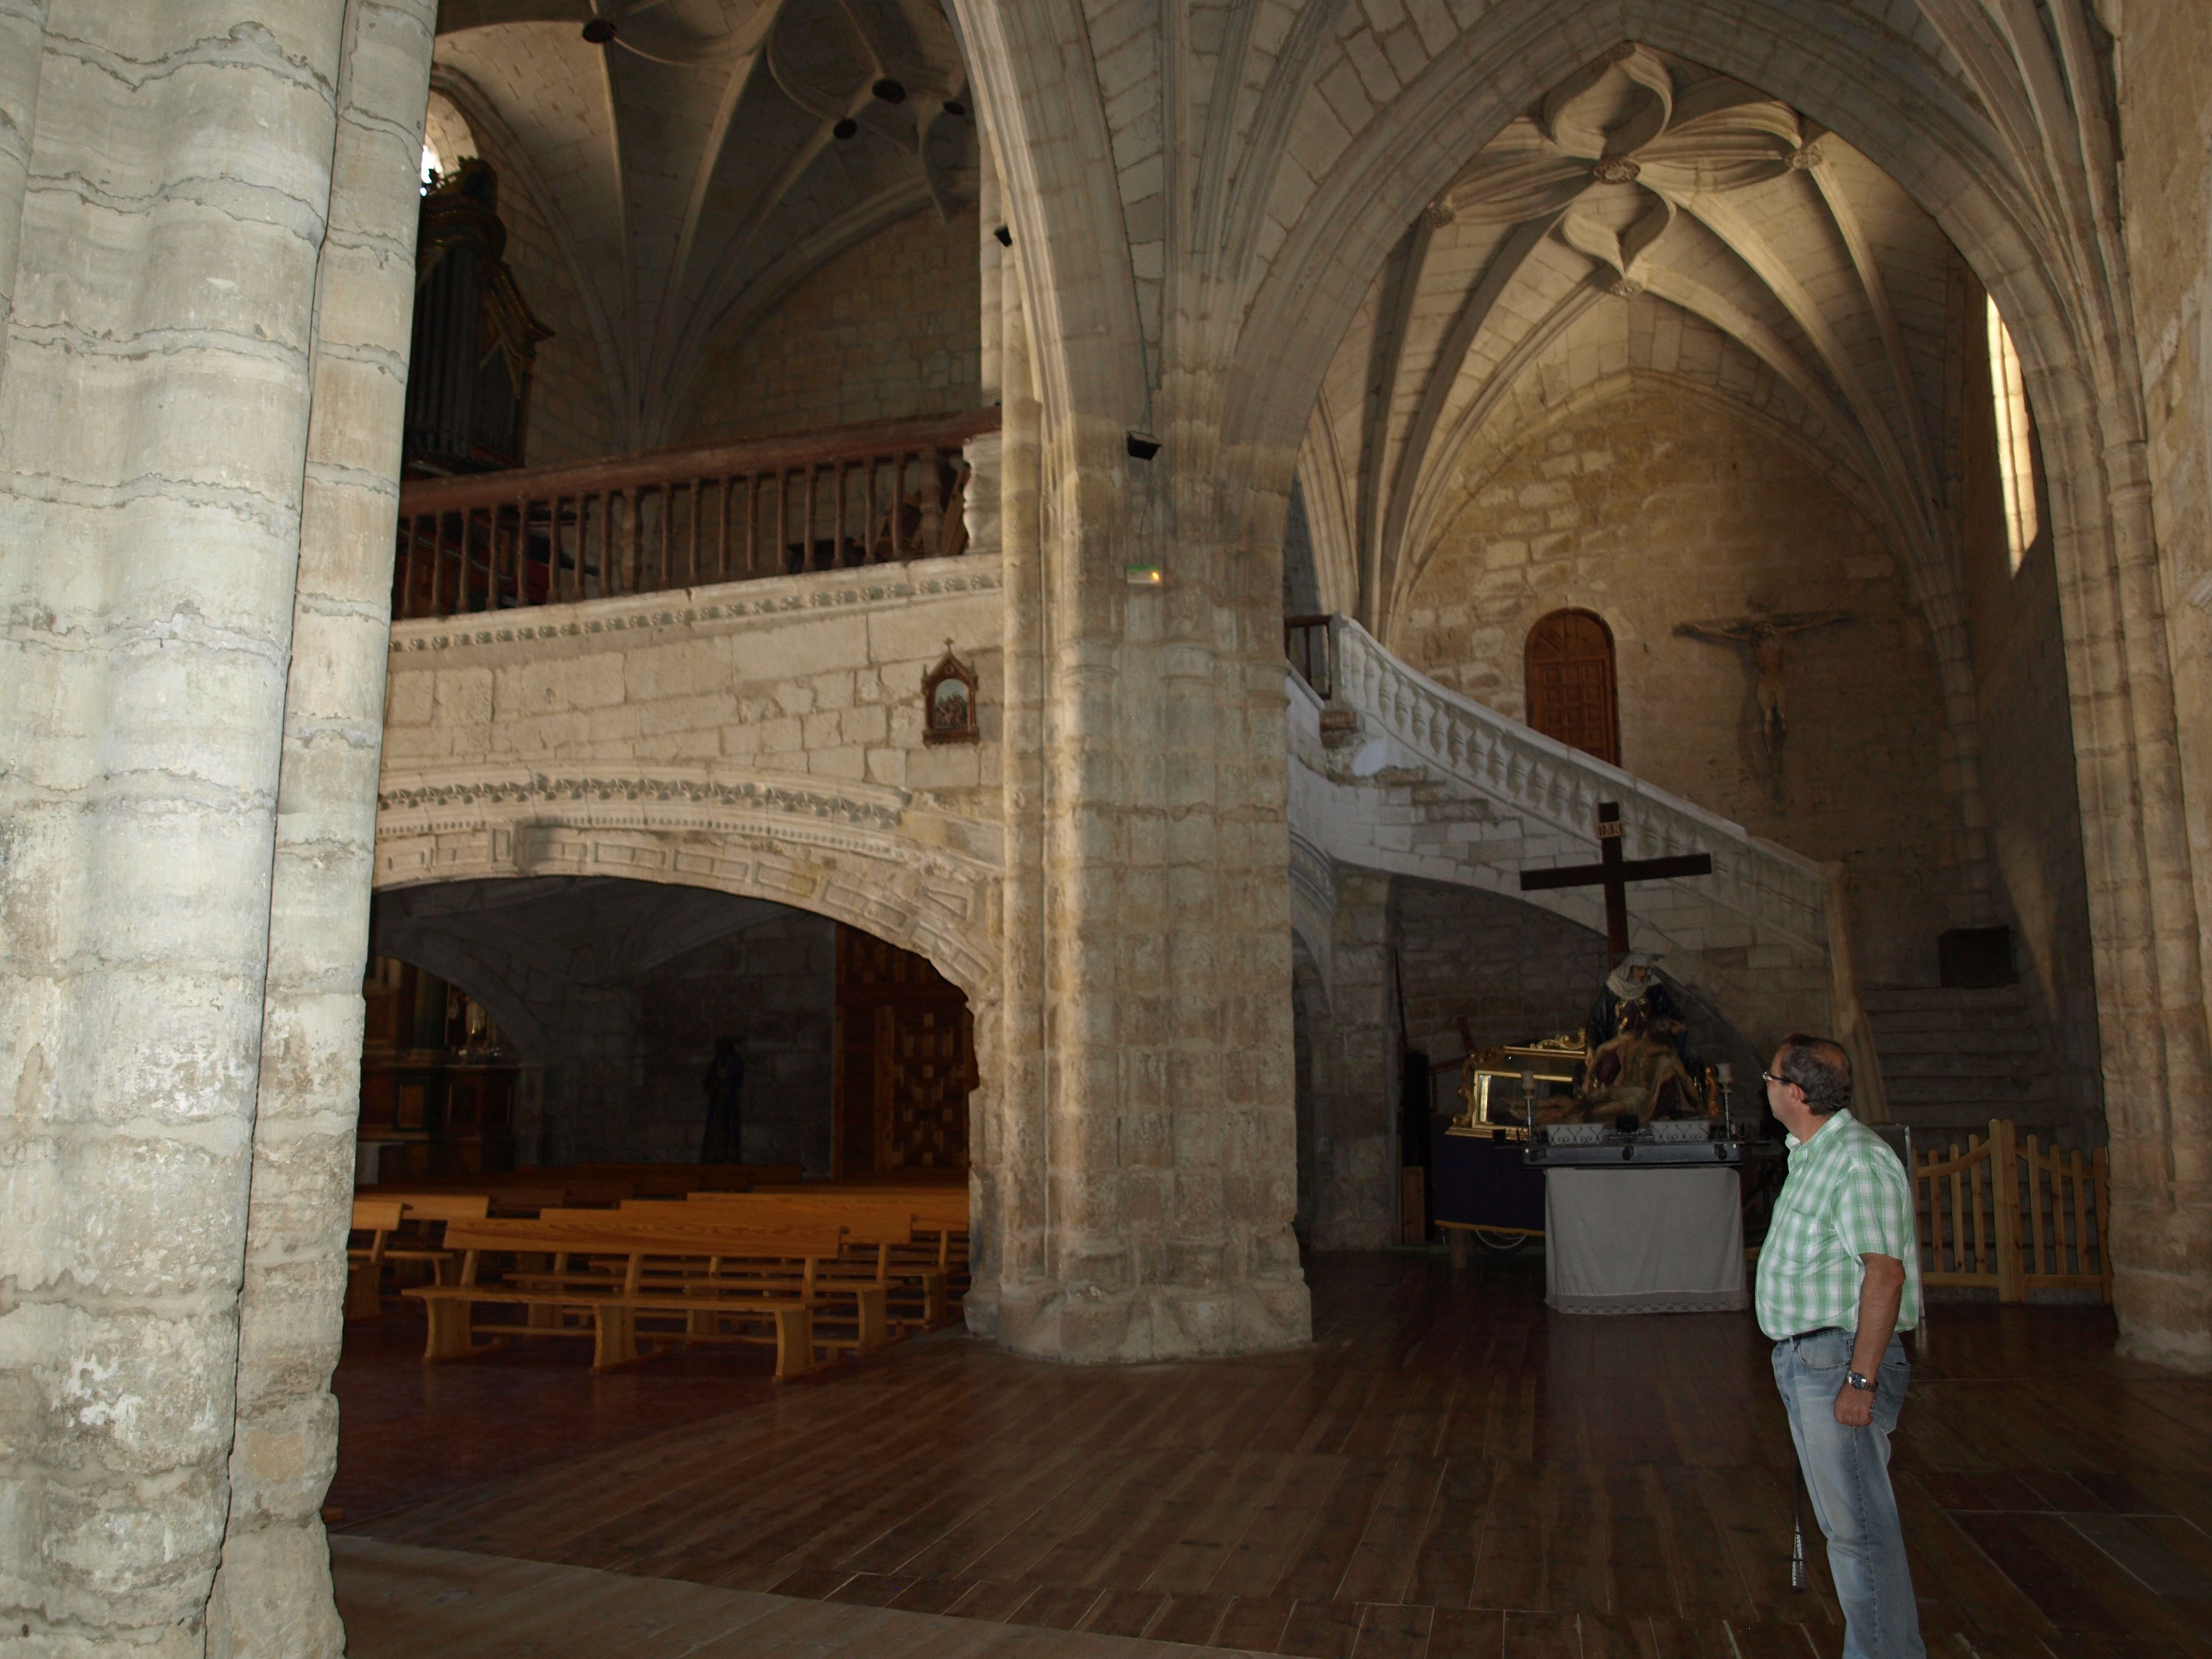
954	107
599	31
845	129
1006	237
890	91
1143	445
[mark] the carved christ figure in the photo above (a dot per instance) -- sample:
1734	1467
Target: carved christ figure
1759	640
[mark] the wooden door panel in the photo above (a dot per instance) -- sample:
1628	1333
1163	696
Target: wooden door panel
1571	687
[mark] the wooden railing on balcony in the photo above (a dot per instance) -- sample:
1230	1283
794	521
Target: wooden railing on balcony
1305	642
677	517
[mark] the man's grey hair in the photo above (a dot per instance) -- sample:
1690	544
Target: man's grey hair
1819	1066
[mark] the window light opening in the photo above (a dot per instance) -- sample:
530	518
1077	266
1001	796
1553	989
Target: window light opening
2016	449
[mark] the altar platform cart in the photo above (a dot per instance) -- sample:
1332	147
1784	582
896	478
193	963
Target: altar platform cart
1485	1188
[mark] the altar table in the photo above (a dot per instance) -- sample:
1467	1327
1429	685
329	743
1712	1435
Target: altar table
1644	1241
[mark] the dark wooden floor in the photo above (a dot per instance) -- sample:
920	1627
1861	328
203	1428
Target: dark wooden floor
1449	1470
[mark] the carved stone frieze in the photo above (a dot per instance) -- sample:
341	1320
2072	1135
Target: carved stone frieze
868	587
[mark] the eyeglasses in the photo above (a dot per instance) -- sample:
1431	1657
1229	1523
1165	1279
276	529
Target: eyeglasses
1786	1083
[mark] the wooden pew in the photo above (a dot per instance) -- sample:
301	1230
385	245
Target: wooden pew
940	1213
835	1278
880	1244
675	1180
379	1219
434	1209
701	1275
521	1191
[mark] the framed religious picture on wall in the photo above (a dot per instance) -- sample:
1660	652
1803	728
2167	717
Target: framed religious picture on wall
948	702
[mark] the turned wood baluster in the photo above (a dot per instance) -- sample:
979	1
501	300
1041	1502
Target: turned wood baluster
931	536
806	519
521	551
752	524
691	536
633	552
404	577
898	507
437	566
664	574
722	529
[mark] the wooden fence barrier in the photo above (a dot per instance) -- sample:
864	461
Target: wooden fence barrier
2013	1215
886	492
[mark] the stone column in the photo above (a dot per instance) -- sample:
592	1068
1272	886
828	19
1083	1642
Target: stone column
1355	1076
1007	1154
22	46
1167	1124
272	1595
156	405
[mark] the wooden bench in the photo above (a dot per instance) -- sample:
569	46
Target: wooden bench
880	1246
938	1213
675	1180
834	1280
379	1218
706	1278
426	1210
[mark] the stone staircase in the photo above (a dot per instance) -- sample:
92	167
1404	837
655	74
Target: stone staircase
1953	1059
1394	773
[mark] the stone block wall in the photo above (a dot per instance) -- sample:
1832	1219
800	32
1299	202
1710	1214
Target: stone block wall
772	986
1514	972
1652	511
817	675
890	328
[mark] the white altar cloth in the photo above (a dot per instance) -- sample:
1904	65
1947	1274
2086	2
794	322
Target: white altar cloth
1642	1240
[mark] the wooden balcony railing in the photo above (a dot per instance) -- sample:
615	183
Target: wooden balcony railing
676	518
1305	642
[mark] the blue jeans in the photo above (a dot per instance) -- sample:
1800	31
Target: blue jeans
1847	1472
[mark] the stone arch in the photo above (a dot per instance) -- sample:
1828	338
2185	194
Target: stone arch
841	852
803	842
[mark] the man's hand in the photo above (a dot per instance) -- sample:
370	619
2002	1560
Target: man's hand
1879	1294
1854	1407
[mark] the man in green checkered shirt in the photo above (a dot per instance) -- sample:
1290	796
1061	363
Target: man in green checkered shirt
1839	1278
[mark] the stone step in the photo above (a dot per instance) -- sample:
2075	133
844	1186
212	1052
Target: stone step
1951	1090
1906	998
1961	1065
1954	1122
1992	1041
1953	1019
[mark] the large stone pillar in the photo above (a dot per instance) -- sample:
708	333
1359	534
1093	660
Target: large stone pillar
156	398
1007	1144
1140	1183
1168	1129
22	48
272	1595
1355	1076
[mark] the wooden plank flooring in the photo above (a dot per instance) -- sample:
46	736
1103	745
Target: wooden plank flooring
1450	1470
404	1602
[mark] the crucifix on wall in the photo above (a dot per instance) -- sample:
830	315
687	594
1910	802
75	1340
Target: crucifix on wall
1759	640
1614	872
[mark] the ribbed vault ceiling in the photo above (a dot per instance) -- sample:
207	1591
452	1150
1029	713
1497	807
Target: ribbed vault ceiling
1647	217
690	163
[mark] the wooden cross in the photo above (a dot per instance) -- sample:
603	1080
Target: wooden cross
1614	873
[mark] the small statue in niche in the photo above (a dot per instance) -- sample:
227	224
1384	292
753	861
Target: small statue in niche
948	702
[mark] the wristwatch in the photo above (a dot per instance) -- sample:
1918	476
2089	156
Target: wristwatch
1863	1385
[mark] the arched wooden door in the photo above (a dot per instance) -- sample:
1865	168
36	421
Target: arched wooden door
1571	694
